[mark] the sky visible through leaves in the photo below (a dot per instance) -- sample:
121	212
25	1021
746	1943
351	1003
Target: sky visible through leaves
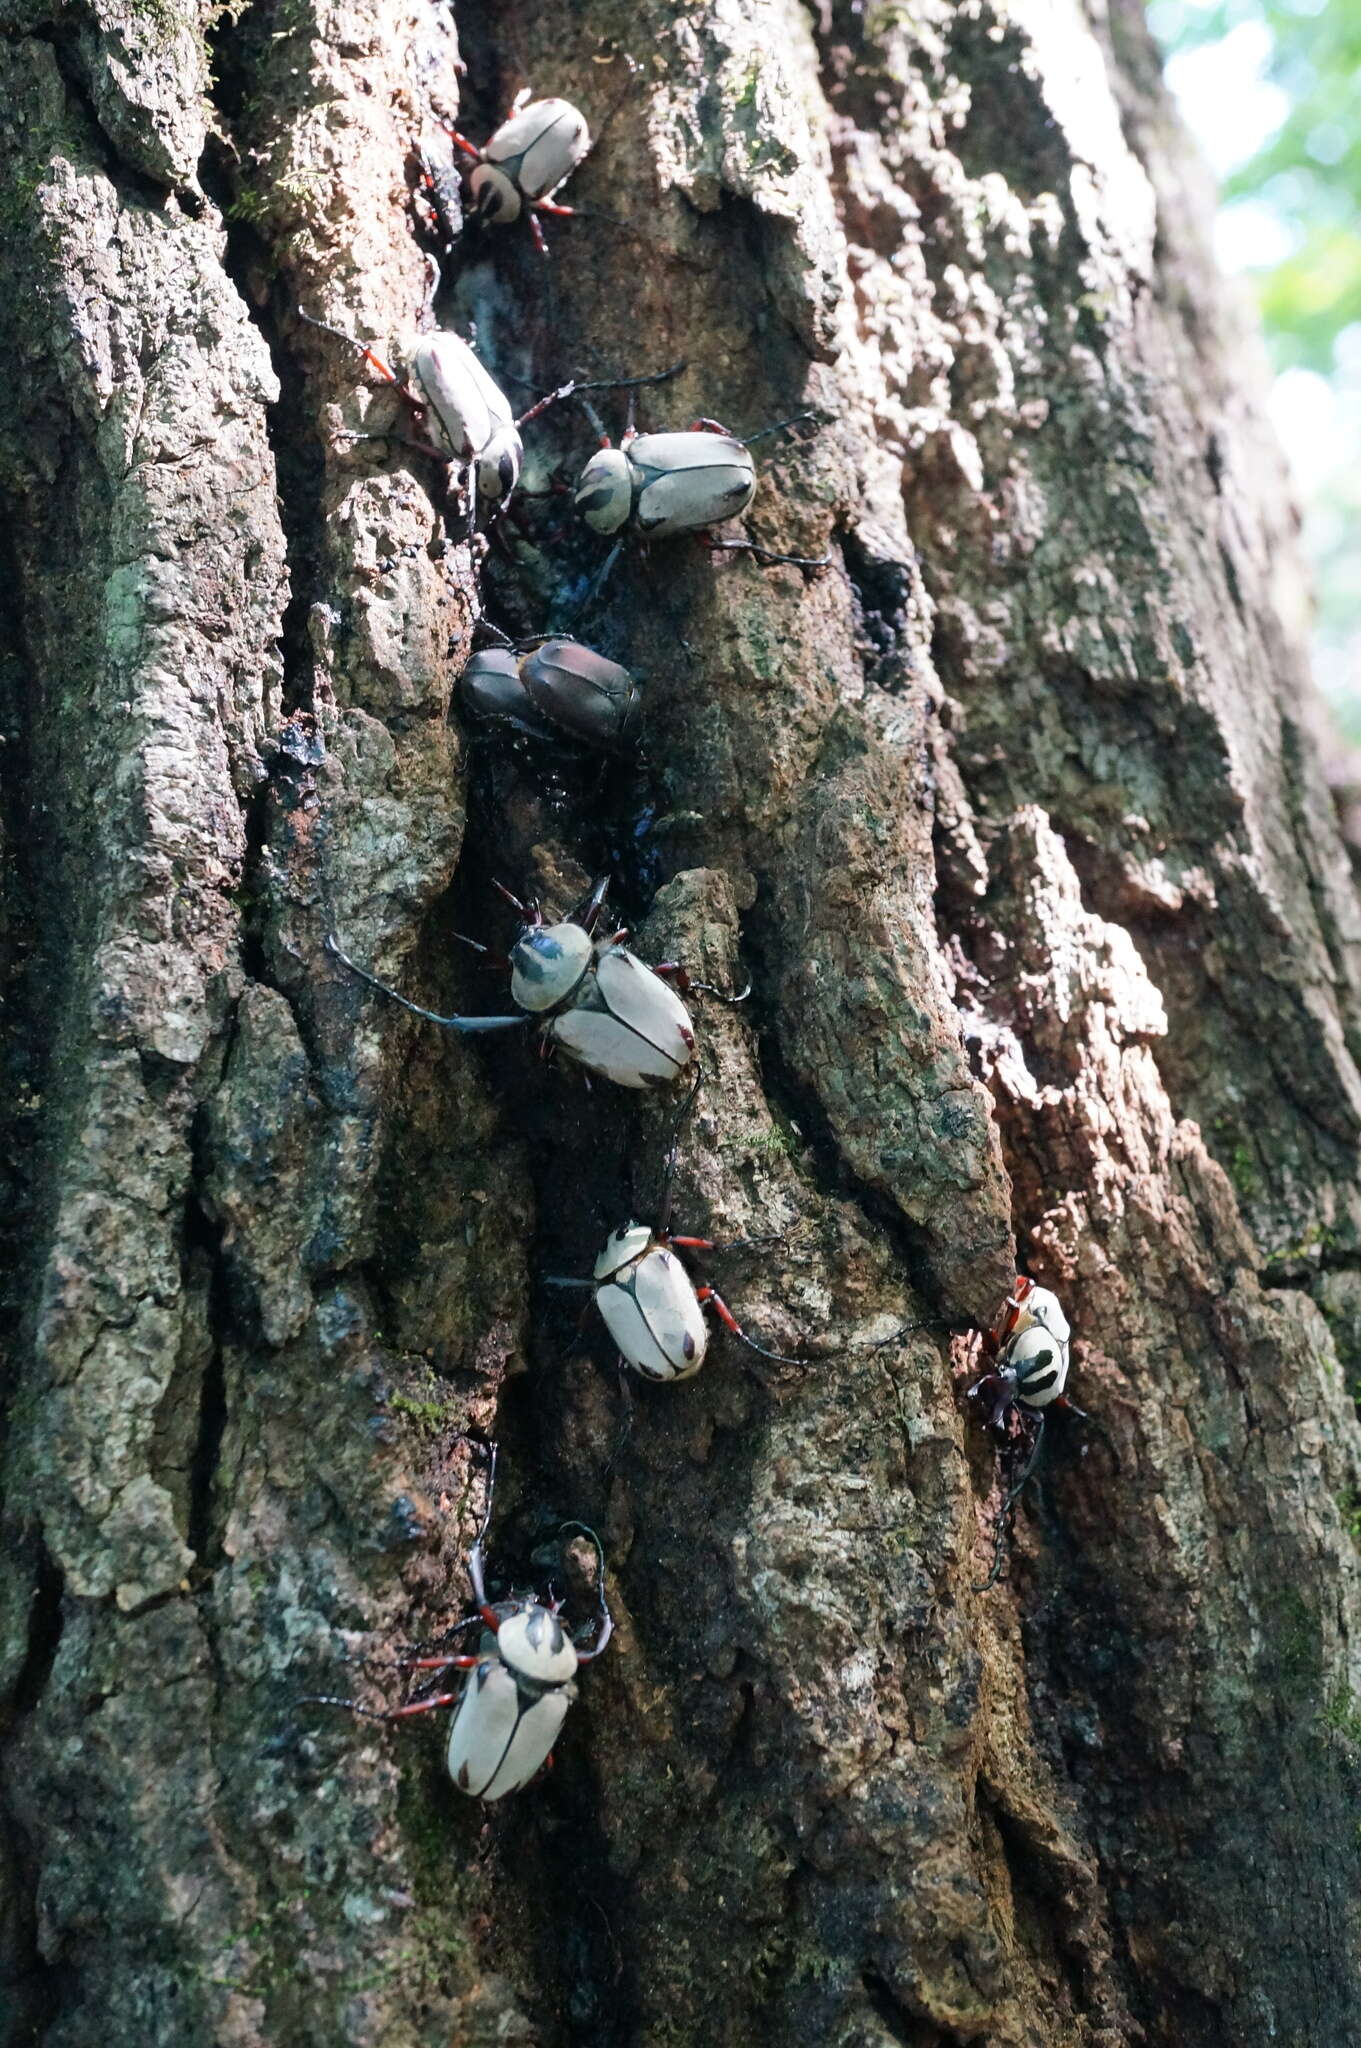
1272	92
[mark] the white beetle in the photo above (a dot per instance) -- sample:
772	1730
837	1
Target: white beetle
1029	1349
1035	1359
537	146
652	1308
466	416
594	1001
510	1707
658	485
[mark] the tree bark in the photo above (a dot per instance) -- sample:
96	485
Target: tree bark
1014	822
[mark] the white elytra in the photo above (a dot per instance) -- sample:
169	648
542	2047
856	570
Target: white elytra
626	1024
685	482
665	484
649	1306
548	964
528	157
501	1735
468	414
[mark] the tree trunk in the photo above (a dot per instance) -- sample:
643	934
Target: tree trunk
1013	822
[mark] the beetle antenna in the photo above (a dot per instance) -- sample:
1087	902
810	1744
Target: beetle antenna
795	419
669	1174
541	405
337	952
635	383
999	1550
606	1618
330	1699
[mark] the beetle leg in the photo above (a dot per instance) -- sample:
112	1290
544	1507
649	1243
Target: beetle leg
606	1618
707	426
1069	1407
540	243
440	455
369	355
549	398
629	383
598	581
626	1403
669	1177
674	971
448	1699
530	912
438	1699
588	910
731	1324
751	547
1004	1512
691	1244
333	947
462	142
551	206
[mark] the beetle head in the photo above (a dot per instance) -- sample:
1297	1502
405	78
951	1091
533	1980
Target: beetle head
491	687
496	198
548	963
604	493
535	1646
498	465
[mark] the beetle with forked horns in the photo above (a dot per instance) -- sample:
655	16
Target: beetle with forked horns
517	1684
593	1001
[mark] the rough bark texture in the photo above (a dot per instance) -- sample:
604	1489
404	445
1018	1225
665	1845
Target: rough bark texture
1017	828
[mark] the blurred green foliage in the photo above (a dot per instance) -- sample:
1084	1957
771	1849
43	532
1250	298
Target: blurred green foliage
1308	171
